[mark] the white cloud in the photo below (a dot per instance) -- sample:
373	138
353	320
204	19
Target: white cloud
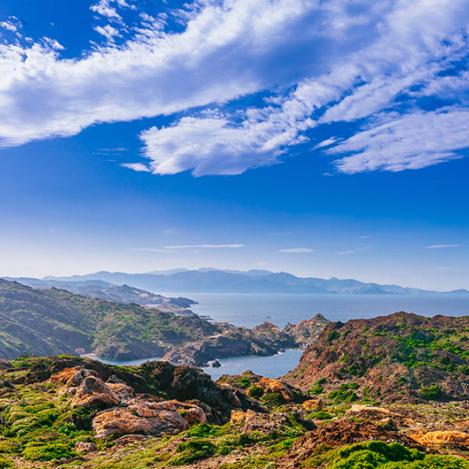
444	246
345	60
412	141
107	31
224	52
206	246
138	167
411	42
159	250
9	26
296	250
104	8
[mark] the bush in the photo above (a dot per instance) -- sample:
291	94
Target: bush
344	393
255	391
431	393
5	463
372	454
193	450
48	452
316	388
319	415
273	399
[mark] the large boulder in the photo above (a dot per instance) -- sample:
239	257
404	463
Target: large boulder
93	392
148	417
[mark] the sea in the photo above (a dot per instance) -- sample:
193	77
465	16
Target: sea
249	309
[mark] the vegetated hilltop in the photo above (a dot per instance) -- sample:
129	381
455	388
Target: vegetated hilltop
110	292
48	322
252	281
53	321
69	412
397	358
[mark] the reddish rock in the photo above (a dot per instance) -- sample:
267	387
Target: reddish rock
85	447
148	417
94	392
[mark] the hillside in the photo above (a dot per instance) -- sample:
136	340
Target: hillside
257	281
49	322
53	321
110	292
395	358
69	412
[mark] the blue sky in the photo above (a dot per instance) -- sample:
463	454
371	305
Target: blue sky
320	138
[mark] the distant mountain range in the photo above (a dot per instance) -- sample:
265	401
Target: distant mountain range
252	281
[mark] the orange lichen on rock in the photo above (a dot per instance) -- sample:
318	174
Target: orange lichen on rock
443	438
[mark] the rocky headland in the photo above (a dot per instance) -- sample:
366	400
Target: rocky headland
54	321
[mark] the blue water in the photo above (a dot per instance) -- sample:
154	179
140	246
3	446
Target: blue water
247	309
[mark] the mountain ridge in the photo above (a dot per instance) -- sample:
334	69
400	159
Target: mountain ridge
209	280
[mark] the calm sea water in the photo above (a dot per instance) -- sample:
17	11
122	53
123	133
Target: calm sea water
251	309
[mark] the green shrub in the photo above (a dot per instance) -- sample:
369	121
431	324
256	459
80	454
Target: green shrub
273	399
316	388
5	463
255	391
47	452
193	450
372	454
344	393
319	415
432	392
204	430
377	454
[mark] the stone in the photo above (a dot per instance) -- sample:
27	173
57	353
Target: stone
148	417
449	438
94	392
85	447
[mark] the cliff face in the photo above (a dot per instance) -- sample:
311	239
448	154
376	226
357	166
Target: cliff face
400	357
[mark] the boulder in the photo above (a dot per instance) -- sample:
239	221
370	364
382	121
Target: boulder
85	447
72	376
148	417
94	392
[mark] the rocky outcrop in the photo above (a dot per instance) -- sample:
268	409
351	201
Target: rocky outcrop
148	417
305	332
264	340
94	393
401	357
446	438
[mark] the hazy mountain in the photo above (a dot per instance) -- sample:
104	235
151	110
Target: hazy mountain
253	281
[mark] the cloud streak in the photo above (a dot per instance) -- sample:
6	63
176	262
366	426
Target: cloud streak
296	250
444	246
205	246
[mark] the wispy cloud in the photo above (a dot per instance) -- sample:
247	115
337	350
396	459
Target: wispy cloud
205	246
296	250
161	250
138	167
444	246
349	252
412	141
344	64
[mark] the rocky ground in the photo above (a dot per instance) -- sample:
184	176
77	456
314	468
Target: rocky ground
68	412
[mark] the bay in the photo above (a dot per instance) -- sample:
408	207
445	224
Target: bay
250	309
